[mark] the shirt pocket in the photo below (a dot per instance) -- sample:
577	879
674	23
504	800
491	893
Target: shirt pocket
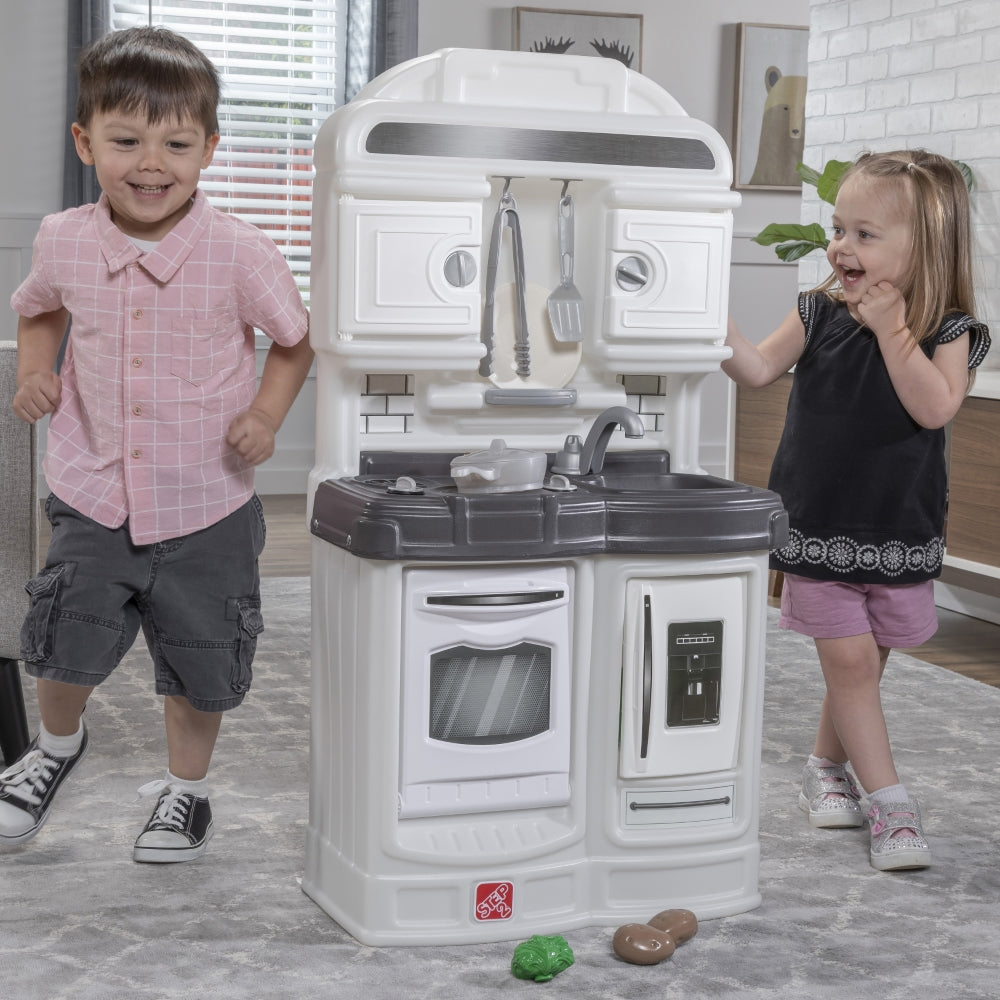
202	347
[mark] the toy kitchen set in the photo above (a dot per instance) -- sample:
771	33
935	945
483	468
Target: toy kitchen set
538	644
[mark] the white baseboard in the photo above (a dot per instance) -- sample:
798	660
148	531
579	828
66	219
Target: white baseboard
967	602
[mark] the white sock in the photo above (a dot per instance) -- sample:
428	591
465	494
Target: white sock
823	761
59	746
890	794
198	788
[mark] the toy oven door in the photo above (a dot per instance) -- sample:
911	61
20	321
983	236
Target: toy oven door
485	692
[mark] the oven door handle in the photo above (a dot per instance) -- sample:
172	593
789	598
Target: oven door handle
504	600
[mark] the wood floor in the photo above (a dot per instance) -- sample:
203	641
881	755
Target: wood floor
966	645
286	551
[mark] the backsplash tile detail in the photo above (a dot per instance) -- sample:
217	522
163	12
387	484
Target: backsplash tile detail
387	404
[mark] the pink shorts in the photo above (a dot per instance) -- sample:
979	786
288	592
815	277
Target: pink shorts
898	615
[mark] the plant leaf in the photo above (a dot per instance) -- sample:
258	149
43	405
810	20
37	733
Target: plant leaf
793	251
808	174
829	180
778	232
966	171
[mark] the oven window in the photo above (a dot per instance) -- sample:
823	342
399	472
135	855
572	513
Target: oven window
490	696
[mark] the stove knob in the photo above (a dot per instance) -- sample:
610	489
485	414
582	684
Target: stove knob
406	485
632	274
460	268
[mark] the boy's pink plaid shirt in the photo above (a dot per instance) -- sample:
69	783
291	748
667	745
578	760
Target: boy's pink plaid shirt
160	361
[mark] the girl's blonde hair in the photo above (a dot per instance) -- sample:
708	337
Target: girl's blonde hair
939	278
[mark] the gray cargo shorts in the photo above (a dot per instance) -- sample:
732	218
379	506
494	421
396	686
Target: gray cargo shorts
197	599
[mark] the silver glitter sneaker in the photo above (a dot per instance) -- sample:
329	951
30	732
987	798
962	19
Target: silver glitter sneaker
830	797
902	852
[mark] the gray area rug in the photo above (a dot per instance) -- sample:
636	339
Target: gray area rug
78	919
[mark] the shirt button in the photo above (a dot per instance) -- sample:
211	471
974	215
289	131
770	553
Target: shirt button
136	453
137	313
137	411
137	362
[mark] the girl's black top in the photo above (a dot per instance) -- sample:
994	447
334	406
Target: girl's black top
865	486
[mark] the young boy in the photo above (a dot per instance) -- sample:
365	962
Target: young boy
156	424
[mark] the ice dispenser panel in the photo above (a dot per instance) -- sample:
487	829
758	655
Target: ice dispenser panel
694	673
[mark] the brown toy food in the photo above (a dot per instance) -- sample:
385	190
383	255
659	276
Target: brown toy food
641	944
681	925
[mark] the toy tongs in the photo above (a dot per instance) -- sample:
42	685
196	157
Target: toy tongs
506	216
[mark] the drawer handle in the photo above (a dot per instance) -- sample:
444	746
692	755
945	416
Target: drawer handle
724	801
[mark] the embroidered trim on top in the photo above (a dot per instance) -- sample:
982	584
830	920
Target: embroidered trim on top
979	336
844	555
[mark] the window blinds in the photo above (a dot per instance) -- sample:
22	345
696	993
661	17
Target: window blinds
282	67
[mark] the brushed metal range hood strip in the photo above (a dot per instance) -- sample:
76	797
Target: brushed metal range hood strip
494	142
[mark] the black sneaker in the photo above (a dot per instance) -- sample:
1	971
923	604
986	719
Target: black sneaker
178	830
27	788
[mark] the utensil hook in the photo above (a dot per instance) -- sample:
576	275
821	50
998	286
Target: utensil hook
565	181
506	198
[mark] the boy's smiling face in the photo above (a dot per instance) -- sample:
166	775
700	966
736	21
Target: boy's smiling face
148	171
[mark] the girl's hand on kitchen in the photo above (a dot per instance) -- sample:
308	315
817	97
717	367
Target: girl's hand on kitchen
883	310
39	393
251	436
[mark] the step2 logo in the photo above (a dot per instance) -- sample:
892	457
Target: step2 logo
494	901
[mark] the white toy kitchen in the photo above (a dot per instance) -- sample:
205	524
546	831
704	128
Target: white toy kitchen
538	641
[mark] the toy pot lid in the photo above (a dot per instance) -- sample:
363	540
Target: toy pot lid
499	469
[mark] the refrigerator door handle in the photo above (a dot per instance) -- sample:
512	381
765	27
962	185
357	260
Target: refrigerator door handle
647	675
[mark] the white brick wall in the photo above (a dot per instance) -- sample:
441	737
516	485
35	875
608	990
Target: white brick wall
891	74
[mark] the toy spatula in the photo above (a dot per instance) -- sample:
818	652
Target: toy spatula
566	303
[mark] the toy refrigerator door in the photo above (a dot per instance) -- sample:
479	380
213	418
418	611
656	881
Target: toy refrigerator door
684	656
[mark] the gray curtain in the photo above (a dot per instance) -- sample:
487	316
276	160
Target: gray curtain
88	20
395	37
380	34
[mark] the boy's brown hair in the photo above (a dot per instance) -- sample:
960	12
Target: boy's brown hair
149	71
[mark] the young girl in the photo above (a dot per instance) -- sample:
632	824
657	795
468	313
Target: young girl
883	353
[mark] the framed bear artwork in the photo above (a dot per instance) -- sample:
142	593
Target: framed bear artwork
769	128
